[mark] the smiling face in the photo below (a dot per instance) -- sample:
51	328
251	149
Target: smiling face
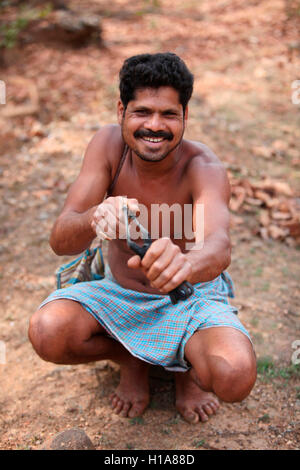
153	122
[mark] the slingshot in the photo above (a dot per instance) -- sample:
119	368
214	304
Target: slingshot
181	292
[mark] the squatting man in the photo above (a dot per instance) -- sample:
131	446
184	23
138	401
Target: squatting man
128	317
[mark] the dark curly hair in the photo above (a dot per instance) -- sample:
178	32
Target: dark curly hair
154	71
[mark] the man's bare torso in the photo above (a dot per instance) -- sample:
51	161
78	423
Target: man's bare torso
173	187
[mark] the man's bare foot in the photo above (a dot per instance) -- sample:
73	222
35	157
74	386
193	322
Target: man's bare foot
131	397
193	403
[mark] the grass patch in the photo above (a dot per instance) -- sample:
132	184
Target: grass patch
254	321
198	444
9	32
258	337
137	420
258	271
265	287
268	370
264	419
166	431
265	365
129	446
175	420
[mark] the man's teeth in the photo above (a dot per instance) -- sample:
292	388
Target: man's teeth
151	139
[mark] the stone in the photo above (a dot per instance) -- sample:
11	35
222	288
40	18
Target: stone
71	439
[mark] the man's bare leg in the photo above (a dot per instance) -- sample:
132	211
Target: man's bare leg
63	332
223	362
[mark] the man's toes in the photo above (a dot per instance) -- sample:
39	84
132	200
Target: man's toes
137	409
125	410
117	404
114	401
188	414
191	417
202	414
208	410
119	407
214	405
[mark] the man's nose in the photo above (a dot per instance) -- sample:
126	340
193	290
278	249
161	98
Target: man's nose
154	123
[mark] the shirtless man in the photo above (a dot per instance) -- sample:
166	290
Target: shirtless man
200	338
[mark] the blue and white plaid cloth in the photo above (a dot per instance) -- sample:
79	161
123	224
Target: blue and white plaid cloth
149	326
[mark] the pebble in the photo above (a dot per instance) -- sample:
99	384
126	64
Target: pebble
71	439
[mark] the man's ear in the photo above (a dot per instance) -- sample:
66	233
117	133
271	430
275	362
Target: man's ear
120	111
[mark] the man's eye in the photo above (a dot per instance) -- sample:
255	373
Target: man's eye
141	112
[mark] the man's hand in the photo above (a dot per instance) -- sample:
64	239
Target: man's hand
108	218
164	264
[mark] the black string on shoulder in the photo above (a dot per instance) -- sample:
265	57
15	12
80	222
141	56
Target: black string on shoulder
121	162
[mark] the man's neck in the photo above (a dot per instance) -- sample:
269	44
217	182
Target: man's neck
148	169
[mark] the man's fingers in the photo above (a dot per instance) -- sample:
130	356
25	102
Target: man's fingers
181	276
133	206
168	274
109	218
160	265
156	250
134	262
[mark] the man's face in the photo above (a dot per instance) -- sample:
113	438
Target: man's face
153	122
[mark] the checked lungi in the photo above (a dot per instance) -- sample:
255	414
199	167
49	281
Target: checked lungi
149	326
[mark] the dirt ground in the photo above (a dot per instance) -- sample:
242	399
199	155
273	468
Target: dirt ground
245	56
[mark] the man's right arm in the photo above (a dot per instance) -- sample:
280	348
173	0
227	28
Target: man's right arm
72	232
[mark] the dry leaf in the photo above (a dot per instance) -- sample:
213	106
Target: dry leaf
277	215
282	188
247	185
293	226
264	233
261	151
263	196
273	187
264	218
253	201
280	146
284	206
238	197
277	232
235	220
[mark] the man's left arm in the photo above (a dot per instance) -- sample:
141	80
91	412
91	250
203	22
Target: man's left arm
210	188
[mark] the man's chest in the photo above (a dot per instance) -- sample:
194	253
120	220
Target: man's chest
153	190
165	206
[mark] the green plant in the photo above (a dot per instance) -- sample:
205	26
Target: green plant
265	418
137	420
292	8
267	369
198	444
129	446
9	32
265	365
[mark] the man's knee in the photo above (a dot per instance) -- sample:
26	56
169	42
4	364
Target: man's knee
233	381
48	332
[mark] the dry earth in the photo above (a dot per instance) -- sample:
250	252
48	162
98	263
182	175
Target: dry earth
244	55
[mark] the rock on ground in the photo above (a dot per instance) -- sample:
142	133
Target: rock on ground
72	439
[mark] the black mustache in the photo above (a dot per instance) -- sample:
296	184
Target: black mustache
154	135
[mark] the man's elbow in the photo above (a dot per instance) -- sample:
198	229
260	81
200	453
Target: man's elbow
226	260
222	254
55	241
55	246
226	253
